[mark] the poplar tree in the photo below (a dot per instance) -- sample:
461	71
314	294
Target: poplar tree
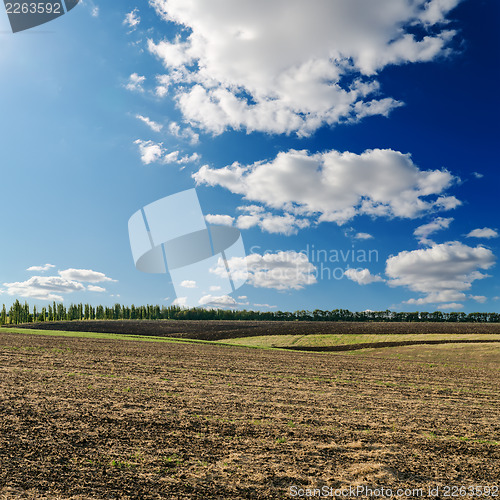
3	316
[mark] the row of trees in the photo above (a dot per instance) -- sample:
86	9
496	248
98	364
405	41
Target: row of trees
22	313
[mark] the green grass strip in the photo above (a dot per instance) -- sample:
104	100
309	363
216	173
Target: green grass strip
325	340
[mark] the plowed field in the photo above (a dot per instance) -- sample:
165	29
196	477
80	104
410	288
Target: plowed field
93	418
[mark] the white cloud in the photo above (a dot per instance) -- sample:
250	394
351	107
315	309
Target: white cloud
455	306
44	268
163	85
267	306
54	287
362	276
218	301
156	127
86	275
441	272
286	224
187	133
215	288
363	236
154	152
95	11
150	151
172	157
284	67
180	301
44	287
223	220
436	297
477	175
479	298
132	19
337	186
485	232
281	270
423	232
189	158
251	209
188	284
135	82
248	221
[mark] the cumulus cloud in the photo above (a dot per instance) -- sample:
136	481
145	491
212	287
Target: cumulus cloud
454	306
189	158
86	275
336	186
423	232
44	287
286	224
95	11
186	133
135	82
132	19
363	236
485	232
218	301
278	224
44	268
479	298
281	270
154	126
442	273
362	276
163	84
150	151
284	67
54	287
155	152
223	220
188	284
180	301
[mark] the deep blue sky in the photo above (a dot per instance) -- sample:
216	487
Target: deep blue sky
72	173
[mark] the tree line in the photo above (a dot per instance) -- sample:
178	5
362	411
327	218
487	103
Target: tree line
23	313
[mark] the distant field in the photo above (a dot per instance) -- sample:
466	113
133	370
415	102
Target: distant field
220	330
306	342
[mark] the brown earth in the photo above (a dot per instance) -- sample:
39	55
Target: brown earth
218	330
88	418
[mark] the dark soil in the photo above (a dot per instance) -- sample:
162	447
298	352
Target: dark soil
102	419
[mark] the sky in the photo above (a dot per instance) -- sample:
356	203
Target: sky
353	143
